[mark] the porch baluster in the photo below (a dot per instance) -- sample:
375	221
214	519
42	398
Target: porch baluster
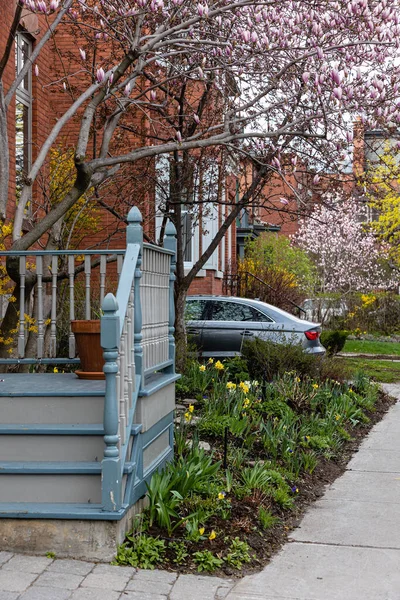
53	326
39	274
103	269
71	270
87	286
111	471
21	335
170	244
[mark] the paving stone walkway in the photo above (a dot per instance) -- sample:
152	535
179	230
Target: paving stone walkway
346	548
38	578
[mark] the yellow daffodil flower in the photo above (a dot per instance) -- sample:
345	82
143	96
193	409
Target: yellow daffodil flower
202	367
315	386
212	535
201	530
55	370
244	387
219	365
191	408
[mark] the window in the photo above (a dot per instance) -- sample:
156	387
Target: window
232	311
195	310
23	113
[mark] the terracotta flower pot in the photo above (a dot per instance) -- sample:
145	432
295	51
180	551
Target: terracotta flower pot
87	337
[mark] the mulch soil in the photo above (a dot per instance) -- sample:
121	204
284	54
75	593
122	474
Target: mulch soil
244	523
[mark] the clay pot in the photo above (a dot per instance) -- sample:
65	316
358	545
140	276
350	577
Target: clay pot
87	337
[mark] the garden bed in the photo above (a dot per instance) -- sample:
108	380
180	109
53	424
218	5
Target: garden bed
249	459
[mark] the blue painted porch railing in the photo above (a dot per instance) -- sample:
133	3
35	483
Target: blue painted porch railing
132	339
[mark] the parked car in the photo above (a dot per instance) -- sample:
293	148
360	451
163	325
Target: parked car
218	325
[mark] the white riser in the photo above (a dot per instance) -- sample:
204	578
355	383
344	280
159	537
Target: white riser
51	409
64	448
50	488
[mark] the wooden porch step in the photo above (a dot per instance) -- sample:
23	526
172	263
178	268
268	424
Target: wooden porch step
61	510
55	468
51	429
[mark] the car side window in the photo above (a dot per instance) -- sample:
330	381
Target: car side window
194	310
233	311
261	317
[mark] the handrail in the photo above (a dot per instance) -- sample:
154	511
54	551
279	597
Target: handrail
60	252
126	280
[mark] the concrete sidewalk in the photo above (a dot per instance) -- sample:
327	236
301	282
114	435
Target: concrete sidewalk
348	544
347	548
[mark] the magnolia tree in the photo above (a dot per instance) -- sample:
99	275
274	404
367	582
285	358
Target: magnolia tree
265	80
347	255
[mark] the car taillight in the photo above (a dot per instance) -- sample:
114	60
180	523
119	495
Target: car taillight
312	335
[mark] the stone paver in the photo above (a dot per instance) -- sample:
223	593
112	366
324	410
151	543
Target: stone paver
65	581
5	556
13	581
95	594
28	564
107	577
163	577
142	596
45	593
9	595
193	587
75	567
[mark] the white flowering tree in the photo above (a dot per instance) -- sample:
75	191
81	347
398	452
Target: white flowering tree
271	80
347	255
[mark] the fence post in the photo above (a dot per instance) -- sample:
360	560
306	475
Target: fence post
170	244
134	235
111	484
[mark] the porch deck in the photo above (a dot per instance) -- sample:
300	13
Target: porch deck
48	384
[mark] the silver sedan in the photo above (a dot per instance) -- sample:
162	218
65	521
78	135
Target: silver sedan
218	325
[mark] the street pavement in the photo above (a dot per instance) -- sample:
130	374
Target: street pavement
346	548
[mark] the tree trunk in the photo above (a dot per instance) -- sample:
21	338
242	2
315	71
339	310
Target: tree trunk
180	326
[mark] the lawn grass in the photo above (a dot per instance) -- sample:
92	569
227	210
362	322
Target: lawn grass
369	347
384	371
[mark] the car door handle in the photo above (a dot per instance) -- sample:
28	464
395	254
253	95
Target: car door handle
192	331
247	333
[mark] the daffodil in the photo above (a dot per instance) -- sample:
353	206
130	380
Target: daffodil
219	365
315	386
210	361
246	402
202	367
338	417
231	386
297	379
55	370
244	387
191	408
201	530
212	535
188	417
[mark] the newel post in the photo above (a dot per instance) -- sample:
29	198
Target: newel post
170	244
111	484
134	235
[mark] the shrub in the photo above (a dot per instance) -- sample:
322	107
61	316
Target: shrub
143	551
267	360
334	341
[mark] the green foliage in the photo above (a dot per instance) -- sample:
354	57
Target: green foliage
180	552
334	341
274	250
50	554
267	520
169	487
206	561
238	554
142	551
268	360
